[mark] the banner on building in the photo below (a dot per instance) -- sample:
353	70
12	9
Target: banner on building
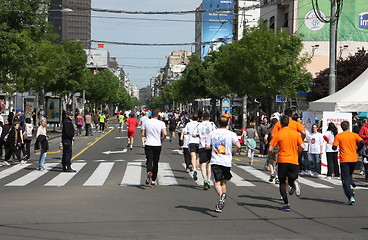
217	26
352	25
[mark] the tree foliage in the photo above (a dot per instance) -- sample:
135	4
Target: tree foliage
347	70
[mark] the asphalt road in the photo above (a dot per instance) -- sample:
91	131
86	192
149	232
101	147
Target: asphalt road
106	199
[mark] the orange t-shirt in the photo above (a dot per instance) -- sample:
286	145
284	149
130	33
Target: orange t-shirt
294	125
288	141
347	141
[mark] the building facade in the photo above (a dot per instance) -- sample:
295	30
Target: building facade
72	20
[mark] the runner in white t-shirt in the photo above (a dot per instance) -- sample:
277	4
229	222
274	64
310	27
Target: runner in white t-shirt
203	130
221	142
190	129
154	131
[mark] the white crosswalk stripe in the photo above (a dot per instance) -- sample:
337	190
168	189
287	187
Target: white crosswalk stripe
165	176
30	177
100	175
132	176
12	170
64	177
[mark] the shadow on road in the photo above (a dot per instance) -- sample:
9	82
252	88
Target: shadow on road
205	211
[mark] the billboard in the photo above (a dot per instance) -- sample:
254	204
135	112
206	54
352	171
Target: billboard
352	26
53	108
217	27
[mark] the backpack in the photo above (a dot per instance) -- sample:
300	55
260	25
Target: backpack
251	143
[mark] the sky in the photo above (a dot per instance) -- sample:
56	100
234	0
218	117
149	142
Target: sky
143	62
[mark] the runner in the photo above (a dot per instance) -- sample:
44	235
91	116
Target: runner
155	132
184	139
102	119
220	141
289	142
294	125
205	128
190	129
121	121
132	123
142	120
347	142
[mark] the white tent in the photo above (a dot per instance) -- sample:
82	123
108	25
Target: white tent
352	98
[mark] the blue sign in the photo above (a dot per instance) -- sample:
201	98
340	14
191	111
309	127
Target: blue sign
217	26
363	21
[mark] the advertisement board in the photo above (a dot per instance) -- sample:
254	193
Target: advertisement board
217	27
352	26
53	109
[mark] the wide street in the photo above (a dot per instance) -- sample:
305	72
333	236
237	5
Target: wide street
107	199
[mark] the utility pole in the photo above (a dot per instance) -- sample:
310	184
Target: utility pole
333	34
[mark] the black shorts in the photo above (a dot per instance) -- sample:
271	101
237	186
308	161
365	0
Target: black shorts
287	170
193	147
204	155
221	172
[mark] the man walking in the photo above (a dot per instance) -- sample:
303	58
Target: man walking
289	143
220	141
347	142
67	139
154	131
88	122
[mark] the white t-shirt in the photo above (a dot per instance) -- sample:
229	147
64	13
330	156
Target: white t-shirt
204	128
142	120
222	141
191	128
315	142
153	128
331	138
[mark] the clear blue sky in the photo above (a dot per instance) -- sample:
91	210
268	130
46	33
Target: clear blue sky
107	27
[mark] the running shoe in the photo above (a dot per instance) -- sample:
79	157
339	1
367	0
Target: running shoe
351	200
291	190
286	208
217	209
302	173
131	147
128	145
297	188
205	185
195	175
191	167
272	177
153	184
6	163
221	201
277	181
148	179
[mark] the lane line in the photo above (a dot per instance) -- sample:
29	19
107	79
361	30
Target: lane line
32	176
12	170
239	181
259	174
165	175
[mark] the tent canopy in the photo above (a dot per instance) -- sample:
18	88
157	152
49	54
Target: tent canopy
352	98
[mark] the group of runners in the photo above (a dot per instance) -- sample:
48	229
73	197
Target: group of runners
211	148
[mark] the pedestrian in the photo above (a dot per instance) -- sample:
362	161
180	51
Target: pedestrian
193	141
88	123
96	120
13	141
42	143
67	140
132	123
34	118
154	131
180	126
332	162
203	131
271	156
5	128
305	157
315	149
289	143
185	142
142	120
262	131
365	162
363	133
27	137
250	136
79	122
221	142
172	126
102	120
349	144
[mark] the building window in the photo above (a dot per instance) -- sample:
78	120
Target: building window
272	22
286	20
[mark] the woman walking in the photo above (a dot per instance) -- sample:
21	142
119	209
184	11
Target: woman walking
27	138
42	143
315	144
332	163
13	142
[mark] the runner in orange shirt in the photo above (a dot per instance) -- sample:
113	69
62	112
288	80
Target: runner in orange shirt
289	143
349	144
294	125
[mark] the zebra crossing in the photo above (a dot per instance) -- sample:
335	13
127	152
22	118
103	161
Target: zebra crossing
132	173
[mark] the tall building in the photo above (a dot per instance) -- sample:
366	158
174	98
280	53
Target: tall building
72	20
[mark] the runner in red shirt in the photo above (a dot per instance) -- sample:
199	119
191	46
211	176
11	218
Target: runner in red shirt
132	123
